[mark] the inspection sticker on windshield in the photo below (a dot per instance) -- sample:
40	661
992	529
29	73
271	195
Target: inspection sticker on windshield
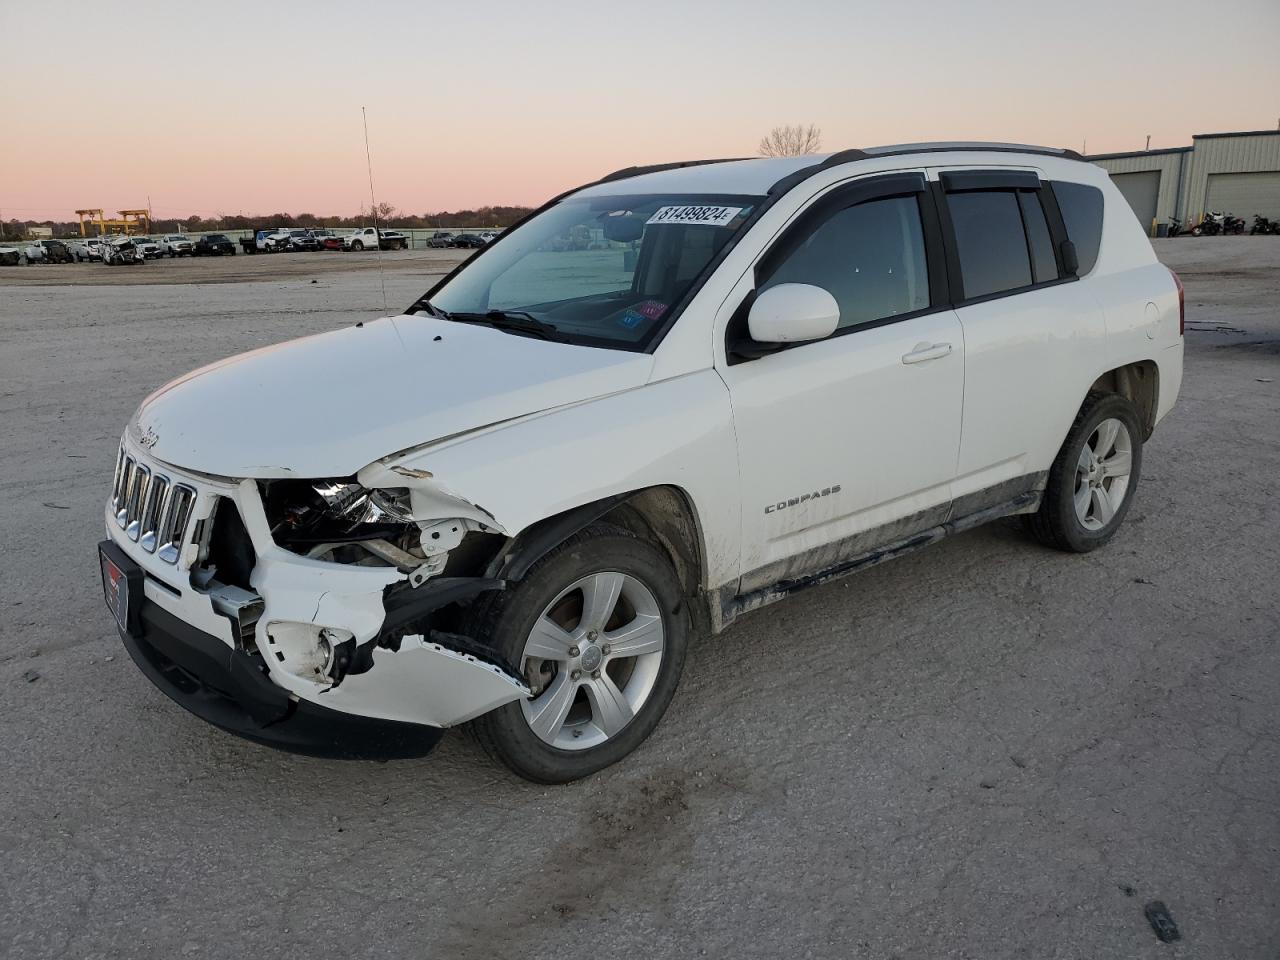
695	216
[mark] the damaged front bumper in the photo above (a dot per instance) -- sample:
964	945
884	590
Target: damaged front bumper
229	689
308	655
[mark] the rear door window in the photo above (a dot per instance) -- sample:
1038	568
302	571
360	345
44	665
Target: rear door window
990	241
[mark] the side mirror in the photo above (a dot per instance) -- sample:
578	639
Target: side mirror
1070	260
793	313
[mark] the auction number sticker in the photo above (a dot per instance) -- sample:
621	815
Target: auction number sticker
696	216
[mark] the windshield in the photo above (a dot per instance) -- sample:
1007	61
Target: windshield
604	271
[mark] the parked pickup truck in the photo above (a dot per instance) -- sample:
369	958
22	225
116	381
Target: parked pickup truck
326	238
55	251
176	245
441	238
150	249
38	251
274	240
370	237
214	245
299	240
89	248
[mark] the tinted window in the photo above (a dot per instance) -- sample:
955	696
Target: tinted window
1043	265
990	241
870	257
1081	208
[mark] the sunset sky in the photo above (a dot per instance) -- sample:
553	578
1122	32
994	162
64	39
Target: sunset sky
234	107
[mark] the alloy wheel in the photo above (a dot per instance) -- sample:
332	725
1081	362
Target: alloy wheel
592	660
1102	474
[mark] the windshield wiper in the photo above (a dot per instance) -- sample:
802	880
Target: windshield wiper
431	308
515	321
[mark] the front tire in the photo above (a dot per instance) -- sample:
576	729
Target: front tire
598	629
357	245
1092	481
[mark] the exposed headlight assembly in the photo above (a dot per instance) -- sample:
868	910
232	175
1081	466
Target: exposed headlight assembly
341	521
353	502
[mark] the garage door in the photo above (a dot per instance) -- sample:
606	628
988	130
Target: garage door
1245	194
1141	190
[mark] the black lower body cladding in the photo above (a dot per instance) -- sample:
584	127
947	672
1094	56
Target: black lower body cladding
230	689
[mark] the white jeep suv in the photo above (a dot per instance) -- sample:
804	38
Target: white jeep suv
663	400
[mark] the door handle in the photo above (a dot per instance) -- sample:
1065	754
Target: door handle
926	351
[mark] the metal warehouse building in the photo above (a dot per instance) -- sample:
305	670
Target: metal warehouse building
1237	173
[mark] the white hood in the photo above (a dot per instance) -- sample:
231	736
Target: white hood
327	405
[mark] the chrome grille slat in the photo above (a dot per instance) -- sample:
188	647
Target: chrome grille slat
174	527
116	488
151	508
152	512
121	503
137	497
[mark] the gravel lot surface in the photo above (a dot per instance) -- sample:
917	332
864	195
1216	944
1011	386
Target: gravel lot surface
986	749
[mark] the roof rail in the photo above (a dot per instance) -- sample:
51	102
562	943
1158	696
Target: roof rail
627	172
899	149
895	149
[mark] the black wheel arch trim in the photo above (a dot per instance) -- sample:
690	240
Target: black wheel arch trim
534	543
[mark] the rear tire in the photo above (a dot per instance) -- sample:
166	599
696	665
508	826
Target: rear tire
1092	482
611	701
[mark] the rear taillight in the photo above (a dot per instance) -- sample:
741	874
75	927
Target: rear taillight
1182	304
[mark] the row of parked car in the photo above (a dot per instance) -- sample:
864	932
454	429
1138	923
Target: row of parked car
301	239
108	250
442	238
112	250
280	240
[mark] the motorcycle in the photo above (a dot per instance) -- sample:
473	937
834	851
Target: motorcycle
1263	225
1232	224
1179	228
1211	225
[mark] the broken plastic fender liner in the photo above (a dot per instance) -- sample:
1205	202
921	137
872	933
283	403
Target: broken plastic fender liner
406	604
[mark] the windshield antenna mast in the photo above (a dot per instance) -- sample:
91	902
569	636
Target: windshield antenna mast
373	205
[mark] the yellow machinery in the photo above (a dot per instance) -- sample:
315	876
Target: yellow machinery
130	221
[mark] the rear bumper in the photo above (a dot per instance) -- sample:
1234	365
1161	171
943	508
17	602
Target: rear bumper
230	689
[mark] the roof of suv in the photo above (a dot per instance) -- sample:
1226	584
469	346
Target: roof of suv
759	175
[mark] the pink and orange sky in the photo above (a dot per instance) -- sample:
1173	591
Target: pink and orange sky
254	107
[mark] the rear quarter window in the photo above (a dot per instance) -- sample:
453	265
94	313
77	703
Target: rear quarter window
990	241
1081	207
